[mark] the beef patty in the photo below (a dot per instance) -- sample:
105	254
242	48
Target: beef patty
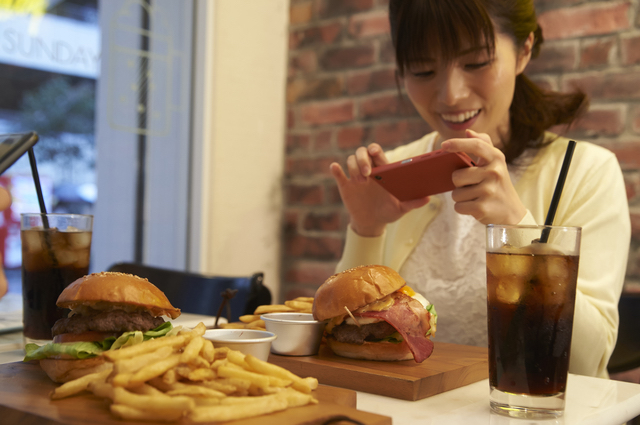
353	334
117	321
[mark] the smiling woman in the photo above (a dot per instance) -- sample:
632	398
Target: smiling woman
462	65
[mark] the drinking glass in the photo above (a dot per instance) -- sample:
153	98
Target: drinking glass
532	274
56	249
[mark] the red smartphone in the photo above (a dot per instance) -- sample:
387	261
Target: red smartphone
422	175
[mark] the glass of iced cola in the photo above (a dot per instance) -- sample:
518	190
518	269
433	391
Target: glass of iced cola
56	249
532	274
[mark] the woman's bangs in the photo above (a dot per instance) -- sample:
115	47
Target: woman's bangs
439	30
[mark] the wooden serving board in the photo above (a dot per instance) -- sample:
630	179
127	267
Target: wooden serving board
450	366
24	400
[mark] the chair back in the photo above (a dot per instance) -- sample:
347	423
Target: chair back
202	294
626	354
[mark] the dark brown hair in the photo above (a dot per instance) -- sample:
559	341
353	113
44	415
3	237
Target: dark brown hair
422	29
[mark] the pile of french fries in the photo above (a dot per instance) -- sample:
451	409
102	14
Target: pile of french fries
185	376
253	321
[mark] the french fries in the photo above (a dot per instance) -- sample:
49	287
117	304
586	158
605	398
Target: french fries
186	376
253	321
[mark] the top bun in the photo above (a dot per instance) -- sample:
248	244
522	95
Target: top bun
116	288
354	288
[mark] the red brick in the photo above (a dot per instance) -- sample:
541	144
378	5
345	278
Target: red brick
631	184
323	34
371	81
305	195
291	121
313	88
631	50
385	106
322	165
387	52
330	112
601	122
298	142
303	62
610	86
319	248
348	57
333	8
333	195
628	155
588	19
296	166
597	52
635	225
392	134
555	57
351	137
635	119
300	13
322	141
310	272
322	221
290	225
369	24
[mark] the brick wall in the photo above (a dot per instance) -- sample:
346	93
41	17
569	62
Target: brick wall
342	94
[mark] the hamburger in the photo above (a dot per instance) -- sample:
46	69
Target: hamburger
108	310
372	314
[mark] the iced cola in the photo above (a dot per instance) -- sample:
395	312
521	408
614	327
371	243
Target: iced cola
52	258
531	294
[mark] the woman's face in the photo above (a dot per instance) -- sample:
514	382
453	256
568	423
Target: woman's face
474	91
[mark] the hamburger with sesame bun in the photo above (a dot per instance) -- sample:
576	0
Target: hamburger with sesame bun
107	310
374	315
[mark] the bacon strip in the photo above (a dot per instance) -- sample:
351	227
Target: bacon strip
411	320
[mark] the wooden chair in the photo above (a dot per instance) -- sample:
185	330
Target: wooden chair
202	294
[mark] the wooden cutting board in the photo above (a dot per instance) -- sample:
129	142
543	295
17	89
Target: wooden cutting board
450	366
24	400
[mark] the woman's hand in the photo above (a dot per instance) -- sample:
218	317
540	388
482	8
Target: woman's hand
370	206
486	191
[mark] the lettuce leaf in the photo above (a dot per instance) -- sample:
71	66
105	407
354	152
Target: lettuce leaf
83	350
433	320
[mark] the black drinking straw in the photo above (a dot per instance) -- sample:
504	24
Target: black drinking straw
43	207
558	191
36	180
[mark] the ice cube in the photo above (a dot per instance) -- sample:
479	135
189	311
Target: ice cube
65	257
82	258
78	240
510	265
56	240
32	241
557	268
510	289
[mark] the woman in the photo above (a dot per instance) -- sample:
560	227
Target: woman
461	64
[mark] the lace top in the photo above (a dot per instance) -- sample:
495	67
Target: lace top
448	266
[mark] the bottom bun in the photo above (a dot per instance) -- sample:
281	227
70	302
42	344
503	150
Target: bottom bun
384	351
63	370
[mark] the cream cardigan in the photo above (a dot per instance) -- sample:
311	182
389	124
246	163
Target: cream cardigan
594	198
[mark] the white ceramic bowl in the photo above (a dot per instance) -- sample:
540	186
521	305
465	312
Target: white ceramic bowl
298	333
248	341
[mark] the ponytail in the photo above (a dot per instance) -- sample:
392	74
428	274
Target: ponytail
534	110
